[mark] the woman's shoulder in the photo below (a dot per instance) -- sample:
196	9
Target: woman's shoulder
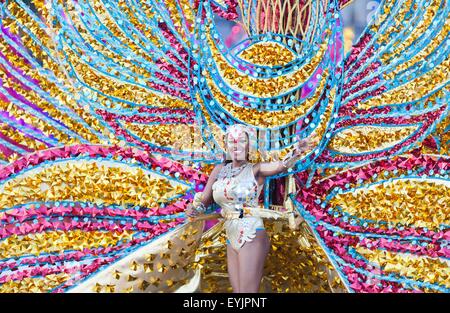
218	167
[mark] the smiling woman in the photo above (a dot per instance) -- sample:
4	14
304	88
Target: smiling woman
235	186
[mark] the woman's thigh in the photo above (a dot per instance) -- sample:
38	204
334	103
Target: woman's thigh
252	256
233	267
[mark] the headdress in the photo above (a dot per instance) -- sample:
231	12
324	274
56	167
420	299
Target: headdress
252	140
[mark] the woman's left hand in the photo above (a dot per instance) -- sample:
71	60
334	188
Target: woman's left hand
305	144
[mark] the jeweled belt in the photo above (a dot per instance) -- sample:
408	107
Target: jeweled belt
248	212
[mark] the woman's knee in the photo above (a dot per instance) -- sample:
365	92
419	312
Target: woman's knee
249	286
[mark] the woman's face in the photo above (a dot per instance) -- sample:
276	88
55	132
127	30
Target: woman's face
237	145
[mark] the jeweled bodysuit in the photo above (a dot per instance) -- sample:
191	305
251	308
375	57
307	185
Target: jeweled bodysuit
239	230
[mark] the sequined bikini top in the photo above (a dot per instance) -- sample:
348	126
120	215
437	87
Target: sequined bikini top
236	186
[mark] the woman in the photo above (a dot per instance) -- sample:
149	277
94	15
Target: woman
235	185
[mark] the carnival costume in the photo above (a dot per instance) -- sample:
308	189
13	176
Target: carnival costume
233	191
113	112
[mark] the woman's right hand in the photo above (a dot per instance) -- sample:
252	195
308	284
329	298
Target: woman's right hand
190	211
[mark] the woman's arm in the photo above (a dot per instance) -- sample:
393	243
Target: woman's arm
206	198
266	169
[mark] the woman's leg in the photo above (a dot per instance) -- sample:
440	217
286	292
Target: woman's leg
233	267
252	257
